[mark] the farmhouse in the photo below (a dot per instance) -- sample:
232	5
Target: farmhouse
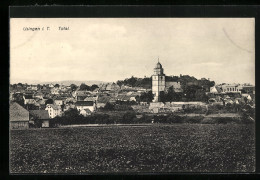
80	105
19	117
40	115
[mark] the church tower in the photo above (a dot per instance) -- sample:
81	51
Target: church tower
158	81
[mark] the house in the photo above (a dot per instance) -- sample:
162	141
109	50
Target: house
248	89
53	110
28	99
102	100
85	112
32	87
50	85
38	95
90	98
231	88
247	96
18	116
68	106
41	115
215	90
80	105
58	101
81	97
55	91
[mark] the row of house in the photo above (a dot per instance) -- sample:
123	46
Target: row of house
241	88
21	118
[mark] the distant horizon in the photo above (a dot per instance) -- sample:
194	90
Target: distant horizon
101	81
111	49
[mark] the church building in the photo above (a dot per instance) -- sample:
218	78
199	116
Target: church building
158	81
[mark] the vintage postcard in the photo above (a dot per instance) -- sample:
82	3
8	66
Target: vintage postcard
132	95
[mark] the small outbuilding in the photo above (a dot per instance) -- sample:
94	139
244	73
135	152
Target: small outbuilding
42	116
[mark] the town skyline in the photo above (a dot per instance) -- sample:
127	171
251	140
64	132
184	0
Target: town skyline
113	49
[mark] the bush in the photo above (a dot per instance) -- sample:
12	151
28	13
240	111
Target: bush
175	119
128	117
160	119
208	121
145	119
195	119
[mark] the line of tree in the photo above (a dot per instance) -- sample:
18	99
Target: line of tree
84	87
190	93
185	81
72	116
136	82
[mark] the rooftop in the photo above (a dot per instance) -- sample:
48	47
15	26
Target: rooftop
84	103
40	114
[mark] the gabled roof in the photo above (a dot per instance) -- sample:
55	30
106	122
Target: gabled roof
103	99
53	106
87	110
17	112
84	103
40	114
28	97
59	99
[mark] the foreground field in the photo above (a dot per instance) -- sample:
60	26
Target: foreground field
157	148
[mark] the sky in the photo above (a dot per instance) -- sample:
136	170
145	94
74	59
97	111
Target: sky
111	49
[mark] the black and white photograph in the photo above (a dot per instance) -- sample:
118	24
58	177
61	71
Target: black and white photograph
132	95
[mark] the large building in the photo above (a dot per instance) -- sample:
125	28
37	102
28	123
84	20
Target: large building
158	82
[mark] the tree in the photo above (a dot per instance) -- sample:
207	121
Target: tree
162	97
19	99
171	95
119	83
201	95
56	85
147	96
49	101
31	107
14	86
84	87
132	81
93	87
109	107
39	86
72	116
128	117
190	92
73	87
20	84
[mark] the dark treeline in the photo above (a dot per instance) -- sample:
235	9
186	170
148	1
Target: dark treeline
185	81
72	117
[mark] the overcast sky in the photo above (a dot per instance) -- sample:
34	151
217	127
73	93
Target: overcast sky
111	49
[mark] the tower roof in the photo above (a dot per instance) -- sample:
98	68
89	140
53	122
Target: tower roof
158	65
